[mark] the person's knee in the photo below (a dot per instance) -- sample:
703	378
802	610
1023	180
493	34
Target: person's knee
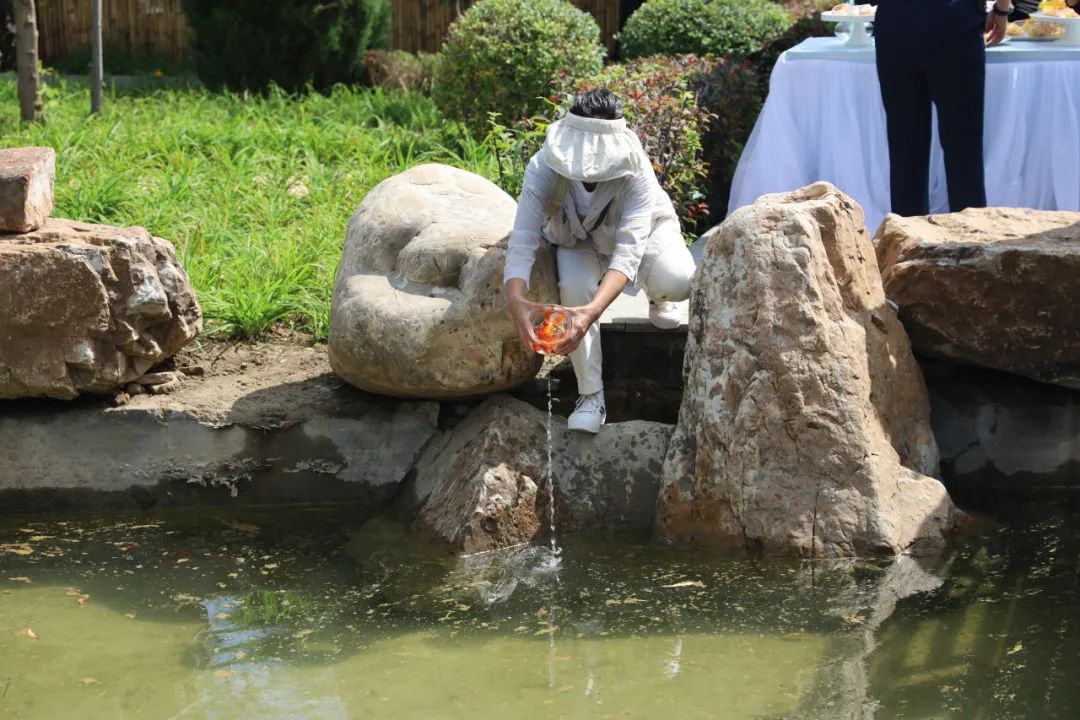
670	281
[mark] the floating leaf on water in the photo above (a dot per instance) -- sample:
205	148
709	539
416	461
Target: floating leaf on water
27	633
87	681
547	630
1015	648
242	527
521	628
21	579
17	549
685	584
129	616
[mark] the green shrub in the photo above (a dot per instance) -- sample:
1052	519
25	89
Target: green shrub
503	55
401	70
251	44
731	93
730	28
660	100
806	22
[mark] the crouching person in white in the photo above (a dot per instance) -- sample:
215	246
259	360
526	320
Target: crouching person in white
592	192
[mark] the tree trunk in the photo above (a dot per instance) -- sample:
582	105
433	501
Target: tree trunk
26	61
97	69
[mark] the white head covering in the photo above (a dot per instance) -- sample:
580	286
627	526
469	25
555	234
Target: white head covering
592	149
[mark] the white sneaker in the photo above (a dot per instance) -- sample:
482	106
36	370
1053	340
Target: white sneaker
664	315
589	413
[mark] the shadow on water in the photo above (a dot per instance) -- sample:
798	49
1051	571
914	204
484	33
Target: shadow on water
303	614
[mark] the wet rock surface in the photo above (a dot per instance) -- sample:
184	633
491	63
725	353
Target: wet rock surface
418	309
993	287
483	485
804	428
88	308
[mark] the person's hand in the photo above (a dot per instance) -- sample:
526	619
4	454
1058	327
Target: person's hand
995	28
522	312
581	319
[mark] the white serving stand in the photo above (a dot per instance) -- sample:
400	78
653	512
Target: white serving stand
859	37
1072	27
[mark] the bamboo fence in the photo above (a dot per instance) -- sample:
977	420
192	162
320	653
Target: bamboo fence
158	28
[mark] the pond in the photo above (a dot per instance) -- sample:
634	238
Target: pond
302	613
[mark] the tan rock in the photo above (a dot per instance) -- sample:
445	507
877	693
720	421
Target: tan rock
418	307
802	401
27	176
88	308
484	485
994	287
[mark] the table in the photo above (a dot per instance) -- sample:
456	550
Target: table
823	120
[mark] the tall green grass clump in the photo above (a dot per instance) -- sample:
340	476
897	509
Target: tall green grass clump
502	56
252	44
254	191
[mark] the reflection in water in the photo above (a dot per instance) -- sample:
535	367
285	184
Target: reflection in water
842	688
297	615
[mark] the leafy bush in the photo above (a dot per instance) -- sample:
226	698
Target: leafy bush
806	22
661	105
401	70
732	93
730	28
251	44
502	56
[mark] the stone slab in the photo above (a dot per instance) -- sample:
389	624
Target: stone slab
27	176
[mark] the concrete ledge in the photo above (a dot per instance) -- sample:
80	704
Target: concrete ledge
281	431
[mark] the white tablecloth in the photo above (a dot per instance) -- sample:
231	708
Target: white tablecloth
823	120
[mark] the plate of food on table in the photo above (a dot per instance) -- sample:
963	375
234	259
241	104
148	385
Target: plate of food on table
1055	20
857	16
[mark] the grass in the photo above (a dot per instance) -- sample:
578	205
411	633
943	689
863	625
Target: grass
212	173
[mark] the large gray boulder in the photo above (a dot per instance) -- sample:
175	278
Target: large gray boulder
484	485
994	287
418	307
88	308
804	428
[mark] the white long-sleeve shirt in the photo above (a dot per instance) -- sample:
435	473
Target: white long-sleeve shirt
636	206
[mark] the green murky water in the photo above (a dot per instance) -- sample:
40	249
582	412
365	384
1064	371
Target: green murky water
299	614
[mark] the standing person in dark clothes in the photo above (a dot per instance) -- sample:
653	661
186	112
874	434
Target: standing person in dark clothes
933	53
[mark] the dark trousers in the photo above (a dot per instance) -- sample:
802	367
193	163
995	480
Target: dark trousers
948	73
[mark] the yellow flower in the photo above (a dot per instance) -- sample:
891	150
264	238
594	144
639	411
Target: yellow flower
158	73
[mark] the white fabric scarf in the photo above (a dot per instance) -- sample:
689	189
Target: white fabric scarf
592	150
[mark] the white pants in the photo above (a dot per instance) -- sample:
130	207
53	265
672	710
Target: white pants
580	270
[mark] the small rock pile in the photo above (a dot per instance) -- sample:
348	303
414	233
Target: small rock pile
83	308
